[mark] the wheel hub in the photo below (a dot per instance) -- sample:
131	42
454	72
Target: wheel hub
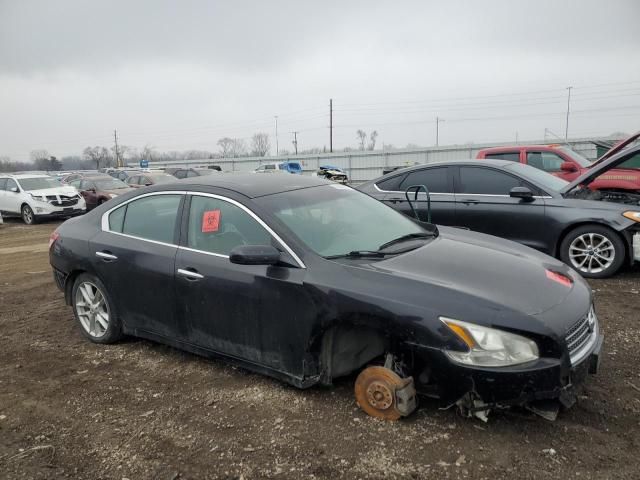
379	396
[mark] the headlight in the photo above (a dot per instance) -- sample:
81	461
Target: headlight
40	198
489	347
635	216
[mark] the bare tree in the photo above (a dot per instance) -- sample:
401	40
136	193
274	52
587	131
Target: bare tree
372	138
362	138
148	153
36	155
226	146
98	155
260	144
239	147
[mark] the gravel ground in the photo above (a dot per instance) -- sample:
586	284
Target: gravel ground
138	410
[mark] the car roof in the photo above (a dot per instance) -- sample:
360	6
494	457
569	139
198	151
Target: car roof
473	161
251	185
552	146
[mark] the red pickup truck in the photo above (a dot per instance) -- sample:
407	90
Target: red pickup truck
563	162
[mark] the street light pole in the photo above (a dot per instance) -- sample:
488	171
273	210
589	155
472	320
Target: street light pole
277	148
438	120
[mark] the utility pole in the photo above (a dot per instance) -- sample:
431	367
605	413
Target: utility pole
295	141
331	125
438	120
115	139
277	148
566	128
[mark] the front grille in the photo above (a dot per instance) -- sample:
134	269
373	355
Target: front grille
581	334
62	200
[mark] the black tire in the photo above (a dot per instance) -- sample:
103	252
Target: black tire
28	216
113	331
606	261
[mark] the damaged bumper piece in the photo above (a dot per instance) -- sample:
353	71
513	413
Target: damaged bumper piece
542	386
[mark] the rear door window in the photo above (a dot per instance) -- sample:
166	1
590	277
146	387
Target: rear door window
511	156
486	181
218	226
391	184
435	179
150	218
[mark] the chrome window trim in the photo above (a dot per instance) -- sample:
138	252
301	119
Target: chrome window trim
458	194
104	223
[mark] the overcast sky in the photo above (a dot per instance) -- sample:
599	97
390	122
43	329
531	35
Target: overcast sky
182	74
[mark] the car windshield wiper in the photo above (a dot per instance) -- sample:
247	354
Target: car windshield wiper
404	238
361	254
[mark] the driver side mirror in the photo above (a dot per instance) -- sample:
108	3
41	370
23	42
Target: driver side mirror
14	190
521	192
254	255
568	167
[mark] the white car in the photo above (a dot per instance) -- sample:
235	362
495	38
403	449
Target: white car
38	196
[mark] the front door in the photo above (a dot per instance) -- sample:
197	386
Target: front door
439	182
483	204
134	257
249	312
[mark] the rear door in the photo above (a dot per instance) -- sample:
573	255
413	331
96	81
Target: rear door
134	256
439	182
483	204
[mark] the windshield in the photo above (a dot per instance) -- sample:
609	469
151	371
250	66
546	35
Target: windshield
579	159
545	180
335	219
110	184
39	183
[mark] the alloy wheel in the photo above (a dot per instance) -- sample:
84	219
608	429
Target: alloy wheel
592	253
92	309
27	215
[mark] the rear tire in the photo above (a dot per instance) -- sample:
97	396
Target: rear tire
28	216
94	310
594	251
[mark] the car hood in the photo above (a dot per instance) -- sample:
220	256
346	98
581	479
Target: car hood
601	167
488	268
67	191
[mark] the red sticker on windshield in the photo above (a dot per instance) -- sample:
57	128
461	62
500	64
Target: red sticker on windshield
210	221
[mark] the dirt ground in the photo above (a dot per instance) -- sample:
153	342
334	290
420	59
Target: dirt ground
138	410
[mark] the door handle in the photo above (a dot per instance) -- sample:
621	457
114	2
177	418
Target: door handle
106	256
469	201
395	200
190	274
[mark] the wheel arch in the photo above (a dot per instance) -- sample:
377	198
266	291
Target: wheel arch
621	234
68	284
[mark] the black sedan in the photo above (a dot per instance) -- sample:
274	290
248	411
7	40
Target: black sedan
307	280
521	203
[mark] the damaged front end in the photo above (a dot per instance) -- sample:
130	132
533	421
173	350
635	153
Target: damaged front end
542	385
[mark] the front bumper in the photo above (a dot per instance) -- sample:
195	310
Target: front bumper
544	379
45	209
636	246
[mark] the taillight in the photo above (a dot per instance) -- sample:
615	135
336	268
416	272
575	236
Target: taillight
53	237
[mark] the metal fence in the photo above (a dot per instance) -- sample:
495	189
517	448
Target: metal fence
361	166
